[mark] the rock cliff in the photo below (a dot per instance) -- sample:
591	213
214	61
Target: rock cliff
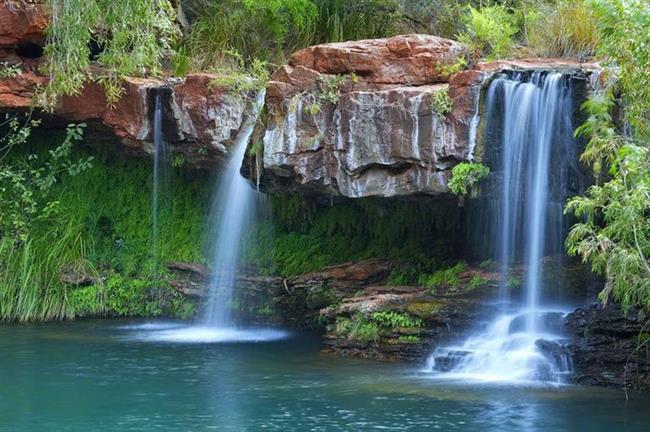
201	118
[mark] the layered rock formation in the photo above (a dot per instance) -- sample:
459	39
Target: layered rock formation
406	322
359	119
201	118
381	117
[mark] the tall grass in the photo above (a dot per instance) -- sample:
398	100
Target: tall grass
271	30
565	29
30	289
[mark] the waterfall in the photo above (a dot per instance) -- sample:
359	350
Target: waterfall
230	217
160	186
533	111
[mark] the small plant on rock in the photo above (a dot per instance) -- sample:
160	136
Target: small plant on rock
392	319
465	175
477	282
363	331
441	102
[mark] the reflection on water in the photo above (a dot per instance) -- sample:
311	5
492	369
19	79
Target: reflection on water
99	375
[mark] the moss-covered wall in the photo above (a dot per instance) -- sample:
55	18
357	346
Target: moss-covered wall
110	205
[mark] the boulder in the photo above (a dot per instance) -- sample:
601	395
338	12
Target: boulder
407	59
609	348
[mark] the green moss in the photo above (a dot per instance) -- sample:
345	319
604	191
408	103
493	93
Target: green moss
301	236
113	200
100	223
424	309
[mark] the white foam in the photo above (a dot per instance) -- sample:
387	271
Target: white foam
202	334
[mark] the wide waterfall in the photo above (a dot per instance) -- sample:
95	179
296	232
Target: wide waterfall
532	113
160	188
232	208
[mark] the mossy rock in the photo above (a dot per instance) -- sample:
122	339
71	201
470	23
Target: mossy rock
425	309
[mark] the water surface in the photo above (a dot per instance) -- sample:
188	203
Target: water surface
106	375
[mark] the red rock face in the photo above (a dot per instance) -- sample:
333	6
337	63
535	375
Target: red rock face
408	59
21	23
377	133
202	120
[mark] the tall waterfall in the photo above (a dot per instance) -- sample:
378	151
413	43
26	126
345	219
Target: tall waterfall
533	113
232	208
161	163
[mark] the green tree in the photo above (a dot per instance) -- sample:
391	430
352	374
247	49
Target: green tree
613	232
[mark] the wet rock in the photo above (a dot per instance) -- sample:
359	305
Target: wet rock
77	278
200	121
606	347
448	361
359	119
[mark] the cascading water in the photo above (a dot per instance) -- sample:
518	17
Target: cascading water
160	187
533	113
232	207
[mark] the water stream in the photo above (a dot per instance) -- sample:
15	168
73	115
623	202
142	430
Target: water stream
233	207
534	113
161	164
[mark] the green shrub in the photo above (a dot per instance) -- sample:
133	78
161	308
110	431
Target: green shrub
489	31
465	175
343	20
240	78
343	326
446	277
258	30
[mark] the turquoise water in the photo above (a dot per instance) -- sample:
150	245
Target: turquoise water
111	376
